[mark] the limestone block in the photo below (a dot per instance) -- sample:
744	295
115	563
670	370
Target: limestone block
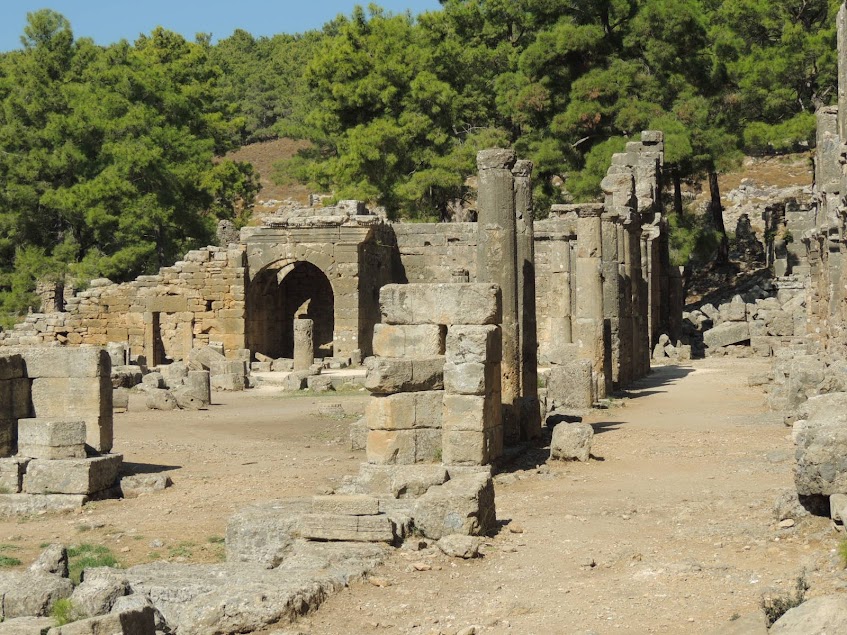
137	621
203	358
350	505
66	362
419	340
296	380
391	375
27	626
481	344
153	380
335	527
781	324
160	399
726	334
282	364
72	476
11	474
472	378
87	398
391	447
461	447
228	367
28	505
400	481
443	303
264	533
428	445
186	399
319	383
470	413
51	438
197	383
359	435
98	592
12	367
571	441
818	616
228	382
31	594
404	411
120	399
463	505
570	386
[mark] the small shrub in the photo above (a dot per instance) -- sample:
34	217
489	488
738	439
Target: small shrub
85	556
216	540
776	607
64	612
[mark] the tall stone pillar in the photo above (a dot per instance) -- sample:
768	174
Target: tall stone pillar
612	298
529	410
626	371
644	301
497	263
304	344
841	27
588	326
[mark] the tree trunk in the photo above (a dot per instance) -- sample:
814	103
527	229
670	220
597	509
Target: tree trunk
677	191
716	210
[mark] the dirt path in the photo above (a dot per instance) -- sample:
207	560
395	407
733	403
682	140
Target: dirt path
670	532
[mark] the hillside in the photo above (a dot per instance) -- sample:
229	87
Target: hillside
262	156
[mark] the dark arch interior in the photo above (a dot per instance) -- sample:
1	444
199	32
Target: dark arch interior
272	306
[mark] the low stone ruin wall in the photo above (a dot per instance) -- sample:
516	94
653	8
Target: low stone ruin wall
56	416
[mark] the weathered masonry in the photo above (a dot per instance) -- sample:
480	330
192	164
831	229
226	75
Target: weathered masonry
590	283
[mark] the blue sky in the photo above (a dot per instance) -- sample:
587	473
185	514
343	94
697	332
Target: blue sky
108	21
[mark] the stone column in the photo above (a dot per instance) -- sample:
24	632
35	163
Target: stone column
588	326
529	411
612	299
841	25
497	263
625	322
304	344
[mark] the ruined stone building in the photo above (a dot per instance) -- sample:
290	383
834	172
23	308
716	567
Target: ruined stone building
591	282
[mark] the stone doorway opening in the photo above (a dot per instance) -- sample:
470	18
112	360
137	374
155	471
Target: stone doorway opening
279	294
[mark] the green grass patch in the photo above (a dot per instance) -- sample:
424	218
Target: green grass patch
842	552
182	550
216	540
85	556
64	612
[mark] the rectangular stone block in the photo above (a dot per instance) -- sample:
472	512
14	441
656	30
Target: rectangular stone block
726	334
28	505
480	344
444	303
387	375
86	398
470	413
353	505
227	382
337	527
11	474
570	386
57	362
391	447
472	378
12	367
51	438
428	445
228	367
461	447
397	340
404	411
72	476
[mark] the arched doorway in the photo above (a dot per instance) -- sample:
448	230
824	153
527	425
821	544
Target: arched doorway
277	296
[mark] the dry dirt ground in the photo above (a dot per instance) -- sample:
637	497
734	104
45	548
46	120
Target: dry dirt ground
669	530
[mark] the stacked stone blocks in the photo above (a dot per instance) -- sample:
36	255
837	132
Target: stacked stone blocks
436	377
56	410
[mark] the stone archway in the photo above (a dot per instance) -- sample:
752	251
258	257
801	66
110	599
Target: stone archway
280	293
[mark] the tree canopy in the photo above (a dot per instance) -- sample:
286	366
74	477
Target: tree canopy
110	157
